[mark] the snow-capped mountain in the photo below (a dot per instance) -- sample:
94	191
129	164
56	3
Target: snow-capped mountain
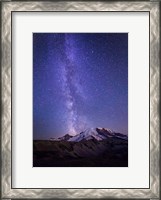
96	133
92	133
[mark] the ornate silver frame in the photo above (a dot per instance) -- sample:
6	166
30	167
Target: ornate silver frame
7	7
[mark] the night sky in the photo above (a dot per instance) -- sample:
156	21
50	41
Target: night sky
80	81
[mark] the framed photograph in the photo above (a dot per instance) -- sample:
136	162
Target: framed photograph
80	99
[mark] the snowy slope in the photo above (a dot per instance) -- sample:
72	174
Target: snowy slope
87	135
96	133
92	133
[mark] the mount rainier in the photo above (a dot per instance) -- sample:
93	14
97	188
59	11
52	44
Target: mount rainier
91	133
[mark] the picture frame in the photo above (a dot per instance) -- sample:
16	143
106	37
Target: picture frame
7	114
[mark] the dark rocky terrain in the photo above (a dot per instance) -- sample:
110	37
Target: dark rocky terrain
111	152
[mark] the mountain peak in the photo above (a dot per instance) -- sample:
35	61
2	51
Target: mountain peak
96	133
92	133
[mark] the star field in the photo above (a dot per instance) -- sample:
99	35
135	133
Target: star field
80	80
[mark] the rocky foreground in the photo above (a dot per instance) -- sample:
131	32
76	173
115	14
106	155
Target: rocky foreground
110	152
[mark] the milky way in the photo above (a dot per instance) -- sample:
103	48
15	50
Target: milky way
71	87
80	80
